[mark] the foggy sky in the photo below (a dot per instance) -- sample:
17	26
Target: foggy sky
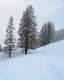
45	10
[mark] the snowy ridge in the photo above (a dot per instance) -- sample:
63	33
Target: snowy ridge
43	64
52	48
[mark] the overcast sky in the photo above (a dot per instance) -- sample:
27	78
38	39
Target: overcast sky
46	10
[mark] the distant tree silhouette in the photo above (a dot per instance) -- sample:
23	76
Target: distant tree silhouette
51	30
44	34
47	33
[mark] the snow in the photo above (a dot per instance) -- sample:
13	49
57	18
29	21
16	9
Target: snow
45	63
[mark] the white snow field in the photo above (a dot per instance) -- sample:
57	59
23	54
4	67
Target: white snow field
46	63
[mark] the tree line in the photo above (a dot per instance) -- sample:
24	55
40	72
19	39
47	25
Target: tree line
28	35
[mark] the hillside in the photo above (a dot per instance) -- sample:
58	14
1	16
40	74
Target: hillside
59	35
45	63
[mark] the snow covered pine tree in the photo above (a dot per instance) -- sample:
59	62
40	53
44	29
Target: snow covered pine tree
10	40
27	29
47	33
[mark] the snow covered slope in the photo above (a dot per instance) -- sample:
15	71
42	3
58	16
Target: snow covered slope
46	63
55	57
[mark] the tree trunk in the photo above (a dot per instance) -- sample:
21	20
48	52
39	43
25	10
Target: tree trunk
26	42
25	50
10	51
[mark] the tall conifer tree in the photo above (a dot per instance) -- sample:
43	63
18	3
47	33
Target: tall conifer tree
27	29
10	40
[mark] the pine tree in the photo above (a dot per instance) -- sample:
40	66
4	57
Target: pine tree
10	40
47	33
27	29
43	35
51	31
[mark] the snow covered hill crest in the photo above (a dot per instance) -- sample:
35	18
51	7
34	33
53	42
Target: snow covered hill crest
53	48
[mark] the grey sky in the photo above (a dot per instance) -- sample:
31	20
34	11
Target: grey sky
46	10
